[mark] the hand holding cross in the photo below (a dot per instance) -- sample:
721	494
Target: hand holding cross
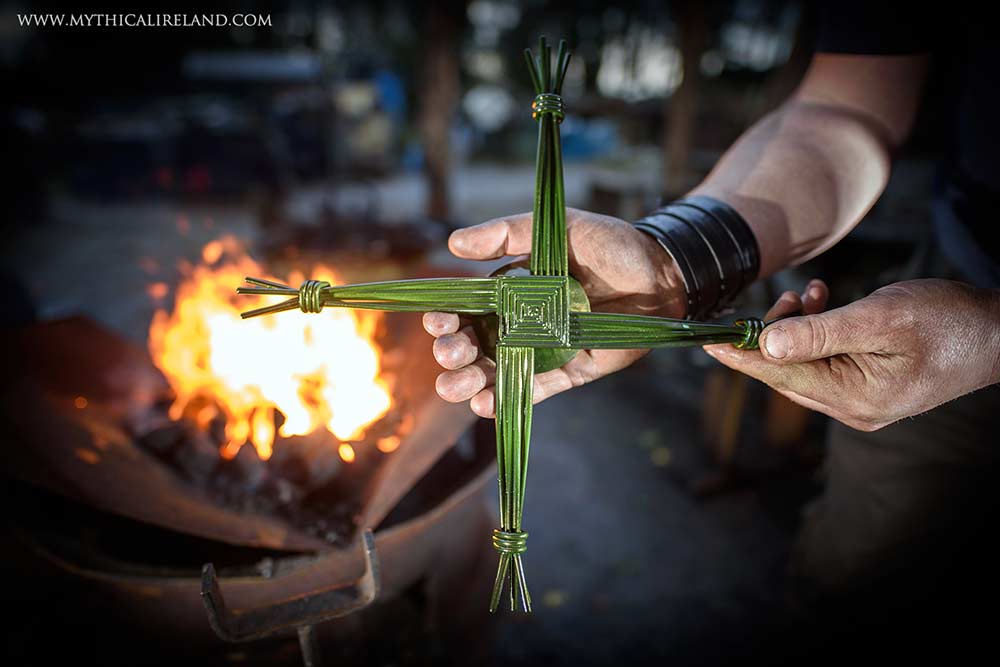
533	313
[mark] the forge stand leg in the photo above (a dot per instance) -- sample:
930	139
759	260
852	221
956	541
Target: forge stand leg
309	646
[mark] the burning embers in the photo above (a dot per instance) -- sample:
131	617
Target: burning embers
292	375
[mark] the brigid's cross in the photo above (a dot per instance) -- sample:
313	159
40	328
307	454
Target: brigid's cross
545	310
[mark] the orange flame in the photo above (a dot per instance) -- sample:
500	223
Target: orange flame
346	452
318	371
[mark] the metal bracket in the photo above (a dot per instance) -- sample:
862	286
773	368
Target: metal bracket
302	611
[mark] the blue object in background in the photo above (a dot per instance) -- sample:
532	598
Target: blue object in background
584	139
391	94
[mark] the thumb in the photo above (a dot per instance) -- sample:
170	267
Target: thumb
798	339
490	240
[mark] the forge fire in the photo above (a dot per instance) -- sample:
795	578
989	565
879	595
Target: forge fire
289	377
290	304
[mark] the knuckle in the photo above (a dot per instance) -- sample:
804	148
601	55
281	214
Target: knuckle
452	351
460	385
817	336
479	375
442	350
482	404
823	335
895	305
469	334
582	372
837	372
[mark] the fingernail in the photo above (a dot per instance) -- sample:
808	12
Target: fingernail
815	293
776	343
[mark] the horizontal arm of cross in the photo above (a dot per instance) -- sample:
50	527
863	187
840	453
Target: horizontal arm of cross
618	331
533	311
466	296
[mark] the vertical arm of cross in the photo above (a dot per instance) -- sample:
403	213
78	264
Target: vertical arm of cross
549	255
514	408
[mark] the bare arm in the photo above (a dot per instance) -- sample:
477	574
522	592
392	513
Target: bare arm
806	174
802	178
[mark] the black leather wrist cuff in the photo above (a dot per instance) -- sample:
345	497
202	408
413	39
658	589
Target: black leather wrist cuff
713	247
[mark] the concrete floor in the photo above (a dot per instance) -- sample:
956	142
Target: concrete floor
625	562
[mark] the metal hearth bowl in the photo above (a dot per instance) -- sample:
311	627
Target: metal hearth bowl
134	536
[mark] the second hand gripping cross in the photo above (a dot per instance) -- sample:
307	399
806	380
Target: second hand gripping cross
533	312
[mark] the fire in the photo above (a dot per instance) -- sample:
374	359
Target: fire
346	453
318	370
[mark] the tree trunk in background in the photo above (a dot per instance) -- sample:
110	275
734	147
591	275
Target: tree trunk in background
438	95
680	110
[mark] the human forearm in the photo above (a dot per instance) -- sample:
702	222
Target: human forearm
806	174
991	299
802	178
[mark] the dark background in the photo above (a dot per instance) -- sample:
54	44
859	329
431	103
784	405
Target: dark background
656	536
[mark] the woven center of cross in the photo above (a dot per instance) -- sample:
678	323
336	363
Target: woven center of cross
533	313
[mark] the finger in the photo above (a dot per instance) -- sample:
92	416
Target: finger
749	362
550	383
483	403
810	384
440	324
787	304
493	239
463	384
579	370
815	297
545	386
800	378
852	328
583	368
452	351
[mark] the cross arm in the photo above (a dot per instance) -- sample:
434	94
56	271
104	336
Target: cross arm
514	410
467	296
614	331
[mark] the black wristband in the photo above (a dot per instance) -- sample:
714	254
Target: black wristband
713	247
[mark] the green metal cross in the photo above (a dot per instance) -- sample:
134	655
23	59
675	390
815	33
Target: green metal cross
531	312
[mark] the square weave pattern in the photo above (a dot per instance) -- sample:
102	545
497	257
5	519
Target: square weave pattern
533	311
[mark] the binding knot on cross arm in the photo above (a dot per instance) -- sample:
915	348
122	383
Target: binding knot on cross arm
311	295
752	327
548	103
510	542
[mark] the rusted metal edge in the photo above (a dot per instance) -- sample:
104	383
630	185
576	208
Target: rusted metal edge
240	625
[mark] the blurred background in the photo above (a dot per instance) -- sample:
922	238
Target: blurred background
149	431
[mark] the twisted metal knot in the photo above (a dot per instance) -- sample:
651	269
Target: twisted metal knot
311	295
510	542
548	103
752	327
